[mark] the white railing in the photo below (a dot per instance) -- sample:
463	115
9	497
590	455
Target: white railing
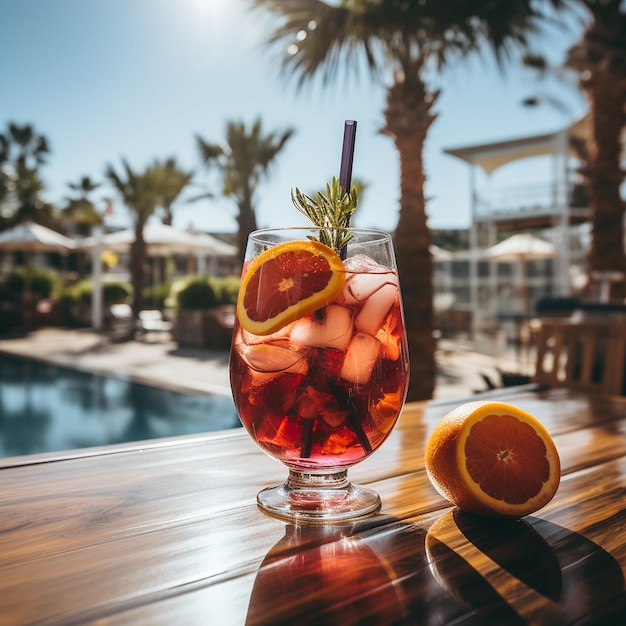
528	199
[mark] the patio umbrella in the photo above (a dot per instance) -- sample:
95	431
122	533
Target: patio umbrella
521	248
163	240
439	254
29	238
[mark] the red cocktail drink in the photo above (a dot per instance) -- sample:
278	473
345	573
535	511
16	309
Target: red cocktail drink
323	390
326	390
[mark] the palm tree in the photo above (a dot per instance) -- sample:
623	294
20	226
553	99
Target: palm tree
402	43
4	175
84	187
27	190
139	192
171	180
31	148
600	62
22	152
242	162
81	211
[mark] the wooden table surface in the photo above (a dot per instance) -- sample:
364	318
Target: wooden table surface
168	532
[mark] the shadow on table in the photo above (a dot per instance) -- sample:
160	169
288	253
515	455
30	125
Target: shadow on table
565	578
465	569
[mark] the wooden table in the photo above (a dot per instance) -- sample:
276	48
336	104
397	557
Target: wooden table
168	533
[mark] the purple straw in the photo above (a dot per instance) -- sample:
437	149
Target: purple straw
347	155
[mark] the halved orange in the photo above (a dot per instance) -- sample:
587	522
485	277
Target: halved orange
494	459
287	282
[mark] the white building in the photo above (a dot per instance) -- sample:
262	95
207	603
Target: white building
550	205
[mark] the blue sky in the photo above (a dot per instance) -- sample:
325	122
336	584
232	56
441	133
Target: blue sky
106	79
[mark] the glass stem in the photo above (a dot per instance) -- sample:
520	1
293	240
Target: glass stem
334	479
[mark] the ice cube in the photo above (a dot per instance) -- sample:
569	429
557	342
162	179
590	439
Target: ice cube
385	411
334	331
363	277
363	264
390	336
359	287
271	357
238	337
256	378
375	309
251	338
360	358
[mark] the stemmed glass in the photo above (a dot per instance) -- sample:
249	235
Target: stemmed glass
324	391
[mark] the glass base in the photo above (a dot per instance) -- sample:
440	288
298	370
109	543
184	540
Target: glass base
320	498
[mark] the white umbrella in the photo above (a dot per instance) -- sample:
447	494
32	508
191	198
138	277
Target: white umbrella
521	248
31	237
212	245
439	254
163	240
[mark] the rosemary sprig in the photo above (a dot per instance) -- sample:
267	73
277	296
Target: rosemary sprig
330	212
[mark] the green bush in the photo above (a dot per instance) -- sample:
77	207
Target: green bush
112	292
67	303
178	284
116	293
76	300
44	283
80	292
197	294
227	288
156	295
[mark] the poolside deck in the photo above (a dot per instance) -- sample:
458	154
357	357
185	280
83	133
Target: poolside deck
158	360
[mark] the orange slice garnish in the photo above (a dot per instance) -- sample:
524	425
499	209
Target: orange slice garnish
286	283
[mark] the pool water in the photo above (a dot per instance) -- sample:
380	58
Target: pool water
47	408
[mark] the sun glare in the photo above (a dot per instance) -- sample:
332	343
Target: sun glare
209	17
212	8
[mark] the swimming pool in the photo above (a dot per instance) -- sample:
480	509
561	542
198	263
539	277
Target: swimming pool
48	408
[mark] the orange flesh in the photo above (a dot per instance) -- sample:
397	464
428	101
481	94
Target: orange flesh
506	458
285	281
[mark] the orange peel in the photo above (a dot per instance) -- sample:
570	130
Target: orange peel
287	282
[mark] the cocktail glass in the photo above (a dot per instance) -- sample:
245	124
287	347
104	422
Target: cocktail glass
323	392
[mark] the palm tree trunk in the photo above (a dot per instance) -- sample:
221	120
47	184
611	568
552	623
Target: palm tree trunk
408	117
247	223
604	176
600	63
137	268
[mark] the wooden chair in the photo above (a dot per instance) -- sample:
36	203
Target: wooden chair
581	354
